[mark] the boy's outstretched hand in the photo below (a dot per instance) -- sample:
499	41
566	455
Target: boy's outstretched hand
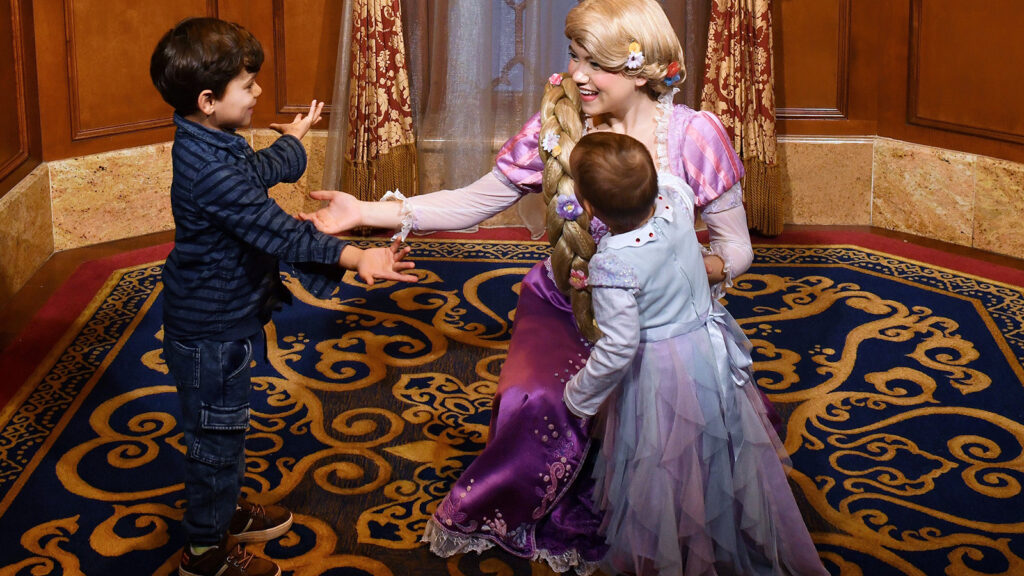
341	213
384	263
301	124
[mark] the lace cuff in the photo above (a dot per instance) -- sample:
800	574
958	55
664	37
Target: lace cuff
404	213
729	199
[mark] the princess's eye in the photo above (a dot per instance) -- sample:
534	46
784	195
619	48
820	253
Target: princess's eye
572	56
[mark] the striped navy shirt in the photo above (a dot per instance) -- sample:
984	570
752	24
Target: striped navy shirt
222	276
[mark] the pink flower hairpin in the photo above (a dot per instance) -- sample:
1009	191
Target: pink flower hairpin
578	280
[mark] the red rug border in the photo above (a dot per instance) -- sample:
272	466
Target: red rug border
20	360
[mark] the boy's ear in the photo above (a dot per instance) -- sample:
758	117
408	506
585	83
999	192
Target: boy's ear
206	102
587	206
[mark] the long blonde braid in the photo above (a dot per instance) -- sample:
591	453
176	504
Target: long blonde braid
571	242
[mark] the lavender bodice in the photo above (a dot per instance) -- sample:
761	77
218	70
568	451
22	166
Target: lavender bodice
697	149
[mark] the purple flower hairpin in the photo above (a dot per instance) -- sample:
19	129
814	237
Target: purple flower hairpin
567	207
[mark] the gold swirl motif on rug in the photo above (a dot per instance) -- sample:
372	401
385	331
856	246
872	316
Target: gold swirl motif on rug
901	386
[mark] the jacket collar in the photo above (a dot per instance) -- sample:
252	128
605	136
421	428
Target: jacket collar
219	138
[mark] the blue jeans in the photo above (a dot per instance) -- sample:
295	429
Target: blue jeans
213	380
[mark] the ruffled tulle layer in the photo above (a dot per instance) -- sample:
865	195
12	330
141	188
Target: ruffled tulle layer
691	473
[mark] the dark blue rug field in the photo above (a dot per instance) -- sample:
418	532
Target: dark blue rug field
901	385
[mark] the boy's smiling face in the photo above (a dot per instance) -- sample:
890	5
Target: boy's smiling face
234	109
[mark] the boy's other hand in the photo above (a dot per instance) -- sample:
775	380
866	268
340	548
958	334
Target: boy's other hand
383	263
342	212
301	124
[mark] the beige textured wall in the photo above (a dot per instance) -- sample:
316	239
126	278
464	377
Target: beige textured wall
26	236
945	195
955	197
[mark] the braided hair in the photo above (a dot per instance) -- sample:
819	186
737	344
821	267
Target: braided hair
605	29
572	245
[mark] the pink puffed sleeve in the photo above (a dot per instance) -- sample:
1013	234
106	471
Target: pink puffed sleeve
700	153
519	160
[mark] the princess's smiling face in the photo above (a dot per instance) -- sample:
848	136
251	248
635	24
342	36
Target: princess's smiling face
602	91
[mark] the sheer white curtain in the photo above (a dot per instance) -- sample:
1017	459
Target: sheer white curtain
477	70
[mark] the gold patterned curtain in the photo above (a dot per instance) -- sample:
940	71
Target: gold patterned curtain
739	88
377	147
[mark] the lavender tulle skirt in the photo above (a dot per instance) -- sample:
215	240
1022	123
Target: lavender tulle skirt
690	472
711	452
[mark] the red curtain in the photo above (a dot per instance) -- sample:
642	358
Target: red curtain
381	151
739	88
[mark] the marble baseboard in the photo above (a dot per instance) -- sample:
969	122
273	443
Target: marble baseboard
111	196
826	181
924	191
26	238
122	194
941	194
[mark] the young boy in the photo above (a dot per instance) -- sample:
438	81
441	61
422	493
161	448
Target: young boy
221	279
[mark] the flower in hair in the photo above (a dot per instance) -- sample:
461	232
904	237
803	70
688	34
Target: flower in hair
567	207
672	73
550	143
577	279
555	79
636	56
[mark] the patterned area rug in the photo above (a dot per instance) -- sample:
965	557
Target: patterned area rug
901	384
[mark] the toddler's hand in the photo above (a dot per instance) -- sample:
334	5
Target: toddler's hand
301	124
715	268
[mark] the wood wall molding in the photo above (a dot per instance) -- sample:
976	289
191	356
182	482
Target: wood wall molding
91	96
842	68
14	121
305	53
838	108
943	92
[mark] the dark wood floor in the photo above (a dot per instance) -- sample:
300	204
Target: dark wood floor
17	313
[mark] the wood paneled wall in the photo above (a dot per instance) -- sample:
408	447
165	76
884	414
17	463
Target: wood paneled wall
95	91
74	73
20	150
944	73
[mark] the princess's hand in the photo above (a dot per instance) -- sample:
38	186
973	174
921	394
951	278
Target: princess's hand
342	212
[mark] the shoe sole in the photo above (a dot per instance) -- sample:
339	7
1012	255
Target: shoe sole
263	535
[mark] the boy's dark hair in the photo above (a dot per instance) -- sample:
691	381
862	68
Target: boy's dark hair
616	175
201	54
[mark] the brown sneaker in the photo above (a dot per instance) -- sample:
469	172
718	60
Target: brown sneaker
226	559
255	523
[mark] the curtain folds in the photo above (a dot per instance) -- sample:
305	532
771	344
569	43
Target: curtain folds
739	88
376	146
478	70
469	72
